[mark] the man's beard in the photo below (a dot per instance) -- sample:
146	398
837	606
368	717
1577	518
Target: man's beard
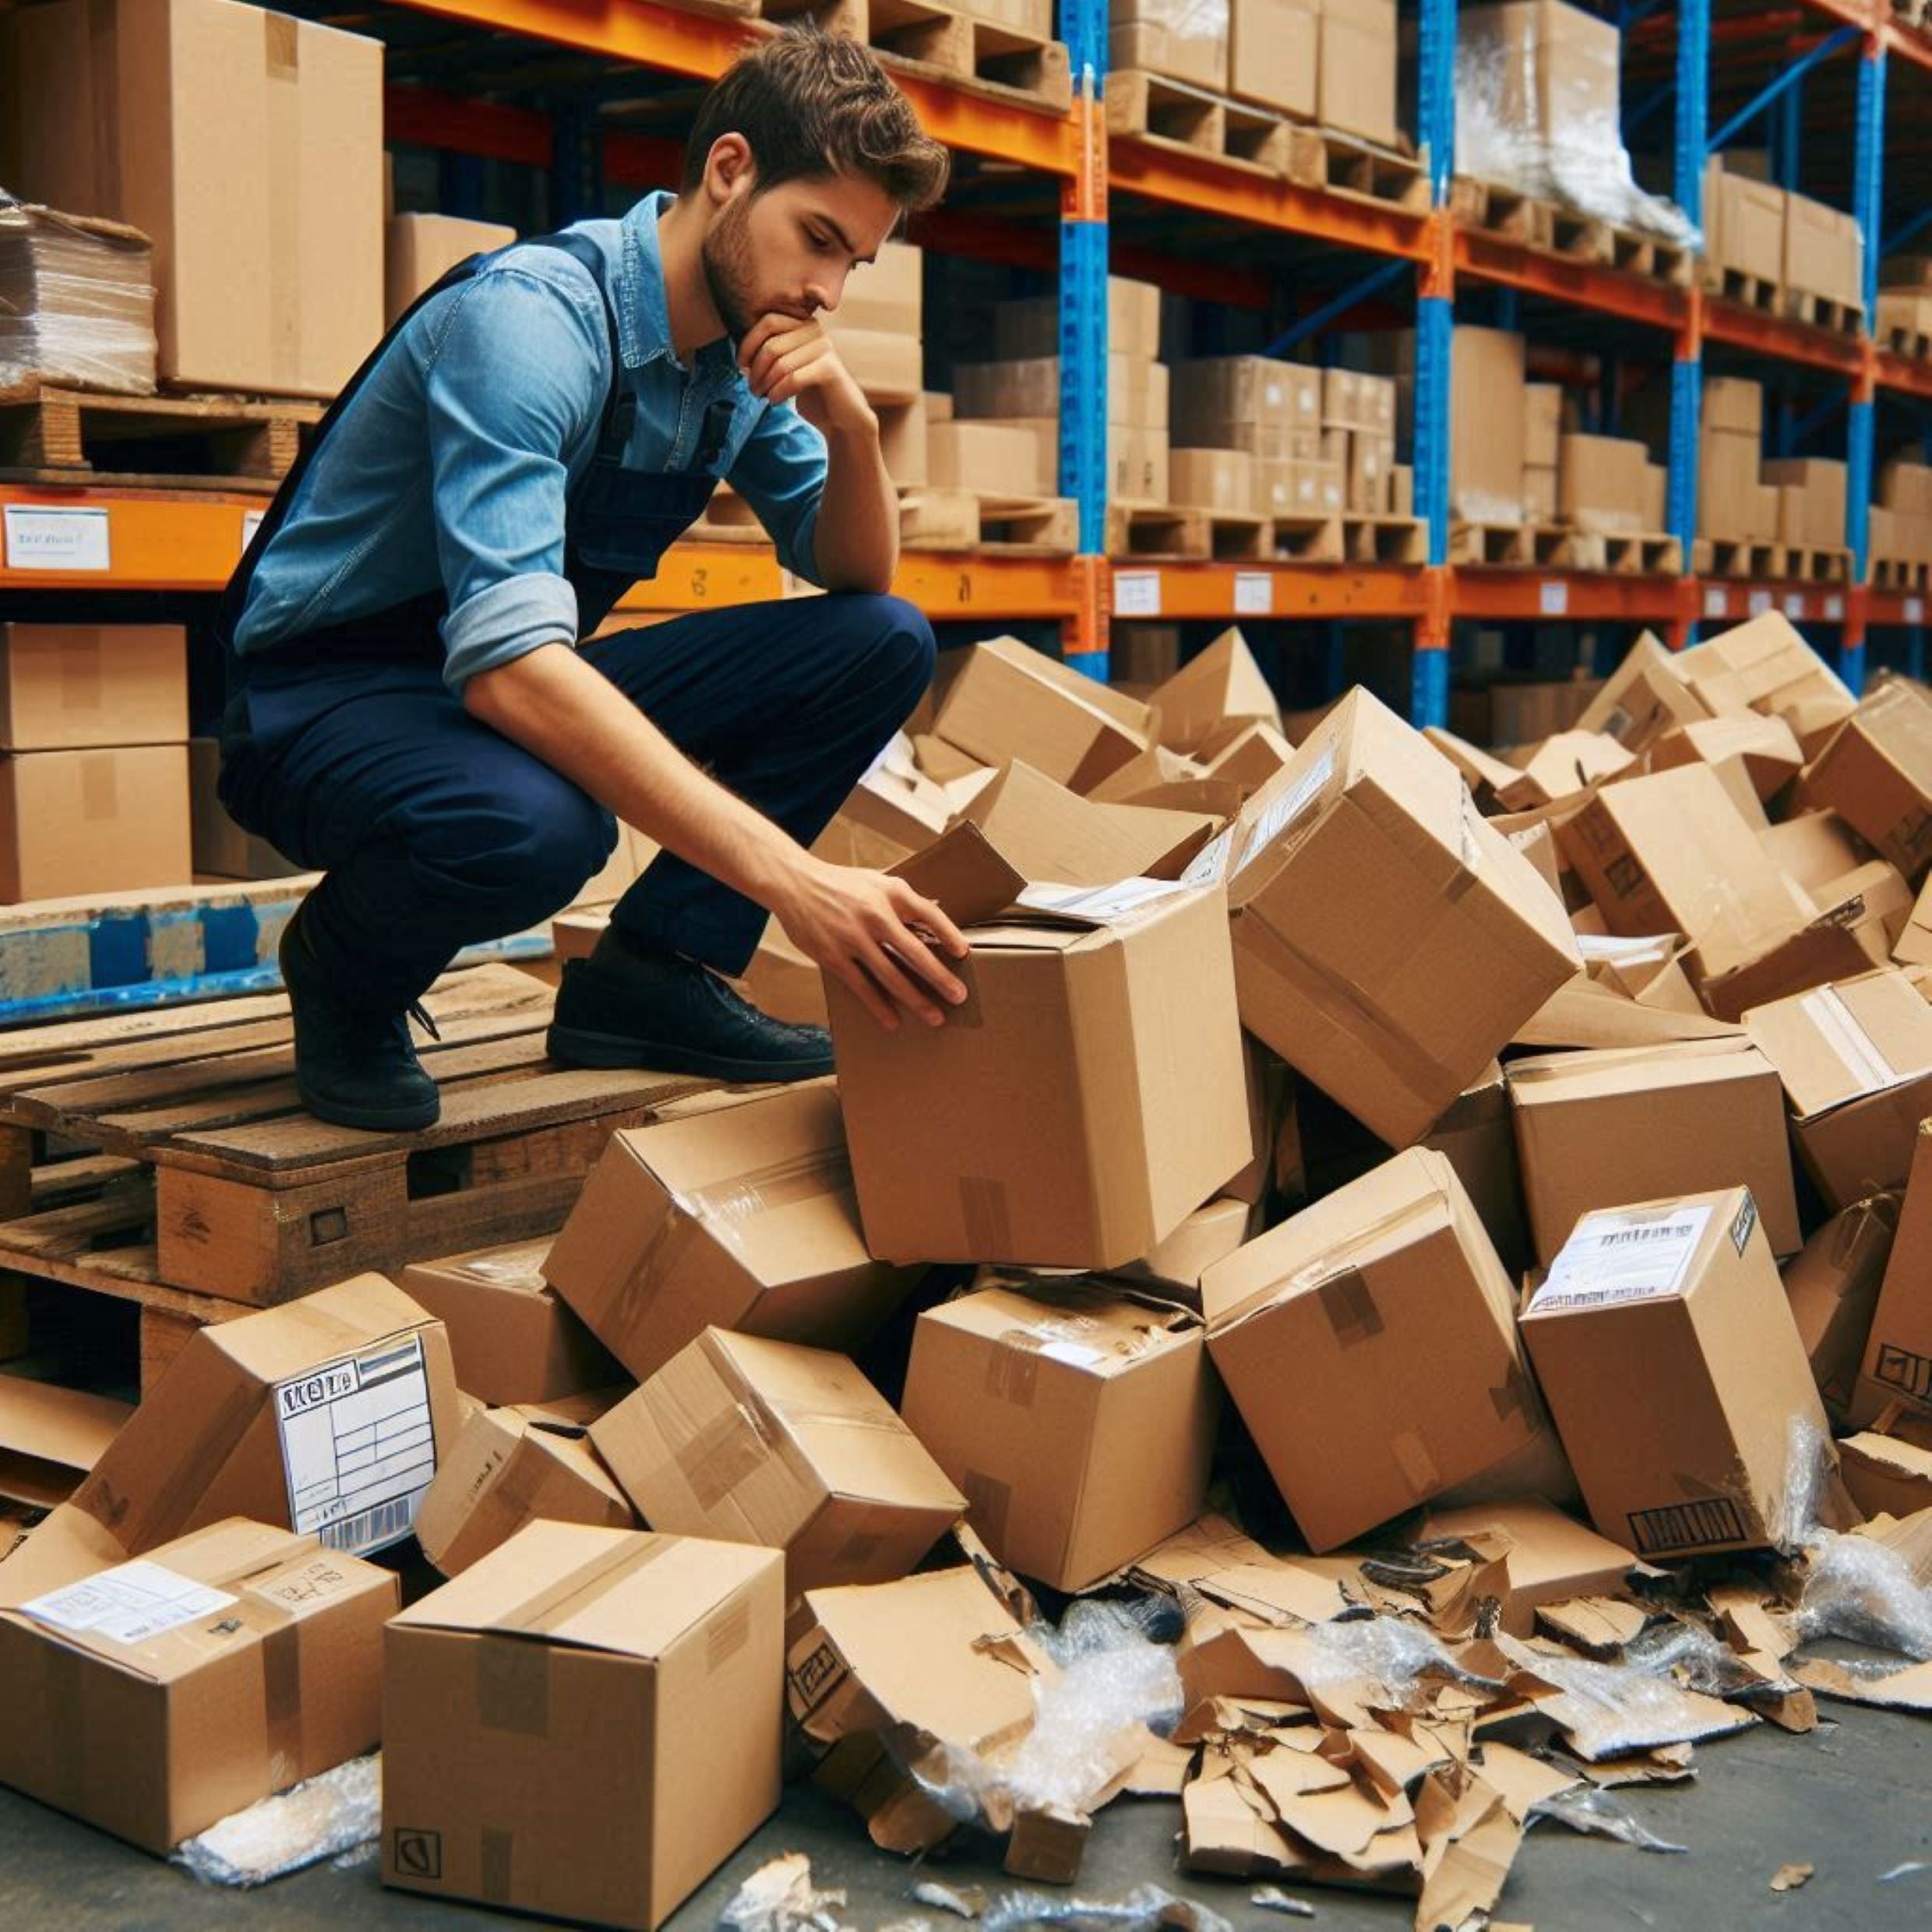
726	257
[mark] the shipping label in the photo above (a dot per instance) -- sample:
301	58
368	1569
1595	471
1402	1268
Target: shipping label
1289	807
129	1605
1623	1257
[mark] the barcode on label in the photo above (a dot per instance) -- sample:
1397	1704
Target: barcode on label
373	1529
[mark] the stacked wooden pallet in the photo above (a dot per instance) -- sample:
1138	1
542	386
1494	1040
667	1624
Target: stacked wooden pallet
1778	562
934	520
1568	234
1177	533
1002	48
1556	547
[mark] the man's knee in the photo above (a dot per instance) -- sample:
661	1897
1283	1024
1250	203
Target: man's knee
528	854
890	638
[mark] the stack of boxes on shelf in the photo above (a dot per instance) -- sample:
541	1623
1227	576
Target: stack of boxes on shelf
1358	437
1741	498
1904	321
1901	518
1760	239
421	249
880	326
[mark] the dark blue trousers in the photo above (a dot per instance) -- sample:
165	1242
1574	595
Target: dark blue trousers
436	832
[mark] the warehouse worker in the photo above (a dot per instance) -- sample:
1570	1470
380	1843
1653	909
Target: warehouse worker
419	708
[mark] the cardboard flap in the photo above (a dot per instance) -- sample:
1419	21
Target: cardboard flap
50	1437
962	874
1583	1013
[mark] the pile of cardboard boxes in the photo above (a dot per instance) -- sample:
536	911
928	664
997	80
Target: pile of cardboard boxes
1225	1137
1760	239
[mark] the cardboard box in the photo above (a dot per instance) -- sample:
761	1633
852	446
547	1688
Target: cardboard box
1002	459
1668	1355
1754	757
1822	255
1357	93
1487	427
510	1337
1833	1289
1643	698
1079	1423
1183	41
217	845
1137	465
1600	484
248	1419
1897	1367
1617	1125
889	367
1877	775
1764	665
1670	853
1549	1557
70	687
75	821
1743	223
1733	402
1913	946
153	1699
1477	1138
887	293
1843	942
1556	70
1540	495
585	1725
1370	1343
1212	393
1120	1007
1855	1060
755	1441
1051	833
1030	326
1214	480
1393	999
509	1467
1274	54
1656	499
1220	685
1543	423
1816	848
1727	507
50	1438
1886	1476
1810	501
1010	701
1307	490
1371	465
741	1219
249	145
1137	388
421	249
903	431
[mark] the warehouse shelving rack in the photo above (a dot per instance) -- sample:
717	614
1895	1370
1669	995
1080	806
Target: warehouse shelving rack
181	541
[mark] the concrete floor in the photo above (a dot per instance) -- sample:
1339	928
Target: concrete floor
1854	1799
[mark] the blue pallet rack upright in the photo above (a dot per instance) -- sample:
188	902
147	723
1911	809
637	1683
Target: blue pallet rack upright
1435	333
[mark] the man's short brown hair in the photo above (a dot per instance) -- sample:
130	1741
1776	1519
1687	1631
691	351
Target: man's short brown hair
810	104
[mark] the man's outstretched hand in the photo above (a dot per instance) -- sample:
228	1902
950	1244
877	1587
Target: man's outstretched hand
885	941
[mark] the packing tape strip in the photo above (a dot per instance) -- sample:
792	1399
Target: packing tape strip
550	1608
512	1684
282	1702
1852	1046
1324	1268
496	1865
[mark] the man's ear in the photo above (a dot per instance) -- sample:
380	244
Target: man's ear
729	170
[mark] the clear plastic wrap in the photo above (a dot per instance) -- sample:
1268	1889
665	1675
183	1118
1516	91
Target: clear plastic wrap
337	1815
1145	1908
1583	1808
76	302
781	1897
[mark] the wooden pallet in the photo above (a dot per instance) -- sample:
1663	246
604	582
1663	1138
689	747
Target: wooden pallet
217	1182
1397	540
1821	312
985	49
1346	164
1498	210
1738	557
1748	291
1172	114
1910	343
1902	573
1004	526
1523	546
1811	564
1648	554
1159	532
1581	237
1307	540
208	441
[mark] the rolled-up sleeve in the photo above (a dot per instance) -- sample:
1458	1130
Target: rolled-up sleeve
781	473
518	376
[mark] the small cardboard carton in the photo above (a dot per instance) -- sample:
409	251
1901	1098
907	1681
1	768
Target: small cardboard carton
1669	1359
154	1698
1009	701
1897	1368
1221	683
69	687
1763	748
510	1337
327	1416
1619	1125
1765	665
1052	833
585	1725
1477	1138
1886	1476
1388	941
1084	1012
50	1438
1833	1287
509	1467
1853	933
1643	698
740	1219
757	1441
97	821
1550	1556
1670	853
420	249
1877	774
1252	758
1815	848
1370	1343
1079	1423
1855	1060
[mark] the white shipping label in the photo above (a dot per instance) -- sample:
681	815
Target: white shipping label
357	1447
1553	599
129	1605
251	522
1289	806
1795	606
1717	603
1253	593
1623	1257
1102	904
1833	608
56	539
1076	1355
1136	594
1915	610
1758	602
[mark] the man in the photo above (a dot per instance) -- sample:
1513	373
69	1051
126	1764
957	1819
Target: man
418	708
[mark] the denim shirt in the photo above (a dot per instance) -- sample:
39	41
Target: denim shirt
451	467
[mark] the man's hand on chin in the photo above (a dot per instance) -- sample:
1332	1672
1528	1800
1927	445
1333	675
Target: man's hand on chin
787	361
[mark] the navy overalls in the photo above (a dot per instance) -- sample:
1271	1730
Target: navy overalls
345	749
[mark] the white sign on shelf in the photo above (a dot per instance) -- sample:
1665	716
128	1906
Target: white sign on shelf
1915	610
1833	608
1553	599
43	539
1717	603
1136	594
1795	606
1253	594
251	522
1758	602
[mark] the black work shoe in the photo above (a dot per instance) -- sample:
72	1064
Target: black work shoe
619	1008
354	1067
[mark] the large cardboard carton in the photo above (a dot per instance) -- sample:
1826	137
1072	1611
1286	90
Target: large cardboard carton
1855	1060
1212	395
1218	479
1755	757
1833	1287
584	1725
155	1698
1119	1007
1877	774
1643	698
1010	701
1549	1556
1186	40
510	1337
1669	1359
1358	45
1080	1423
50	1438
999	458
1274	54
327	1416
93	821
1765	665
69	687
509	1467
1728	488
888	366
1670	853
248	144
1822	254
1600	484
1542	425
1743	223
1388	942
421	249
1897	1367
1137	388
1845	941
1620	1125
742	1218
1370	1343
755	1441
1487	430
1811	501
